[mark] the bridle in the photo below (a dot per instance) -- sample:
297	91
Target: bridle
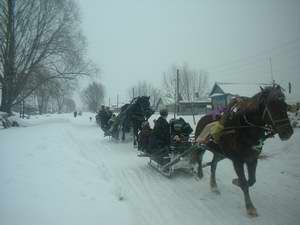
143	110
276	124
270	128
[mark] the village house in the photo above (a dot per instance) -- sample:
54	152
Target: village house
222	93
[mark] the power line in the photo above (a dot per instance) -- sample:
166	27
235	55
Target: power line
259	54
259	60
261	63
245	67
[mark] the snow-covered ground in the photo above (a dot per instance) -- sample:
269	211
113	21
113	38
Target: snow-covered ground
60	170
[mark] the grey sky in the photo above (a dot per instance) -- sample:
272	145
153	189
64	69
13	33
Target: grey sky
133	40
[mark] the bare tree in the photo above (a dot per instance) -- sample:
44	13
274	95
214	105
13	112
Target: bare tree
34	34
53	89
192	83
144	88
60	91
93	96
70	105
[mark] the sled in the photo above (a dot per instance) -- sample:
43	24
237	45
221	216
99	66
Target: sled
177	158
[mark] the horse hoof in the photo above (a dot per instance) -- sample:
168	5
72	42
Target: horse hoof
236	182
215	190
200	175
252	212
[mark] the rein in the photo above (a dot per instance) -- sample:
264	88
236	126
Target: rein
249	126
275	124
143	111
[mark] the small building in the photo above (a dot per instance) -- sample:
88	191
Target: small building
165	102
185	107
194	107
222	93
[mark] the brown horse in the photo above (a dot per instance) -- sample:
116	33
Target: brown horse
252	122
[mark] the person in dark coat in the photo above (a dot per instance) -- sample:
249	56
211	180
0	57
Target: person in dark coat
161	132
180	130
103	118
109	113
144	137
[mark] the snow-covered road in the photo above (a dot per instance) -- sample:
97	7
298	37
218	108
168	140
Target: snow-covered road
61	170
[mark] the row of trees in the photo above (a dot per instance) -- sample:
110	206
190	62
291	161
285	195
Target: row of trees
41	51
144	88
192	85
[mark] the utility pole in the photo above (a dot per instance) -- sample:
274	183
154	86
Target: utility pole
178	94
23	108
271	70
133	92
117	102
175	91
176	104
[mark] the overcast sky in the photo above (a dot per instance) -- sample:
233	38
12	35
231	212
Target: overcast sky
136	40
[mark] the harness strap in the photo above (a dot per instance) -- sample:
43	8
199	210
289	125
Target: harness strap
275	122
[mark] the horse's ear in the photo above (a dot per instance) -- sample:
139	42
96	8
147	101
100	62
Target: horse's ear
261	88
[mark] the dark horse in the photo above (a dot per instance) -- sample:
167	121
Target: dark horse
133	115
264	113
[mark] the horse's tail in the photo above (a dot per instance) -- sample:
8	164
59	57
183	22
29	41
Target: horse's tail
202	123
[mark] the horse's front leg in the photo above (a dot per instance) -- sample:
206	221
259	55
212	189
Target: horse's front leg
251	166
243	184
213	168
135	135
123	133
200	166
196	160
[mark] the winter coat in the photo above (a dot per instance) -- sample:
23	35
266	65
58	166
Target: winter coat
161	134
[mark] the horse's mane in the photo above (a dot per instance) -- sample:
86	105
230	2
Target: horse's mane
252	104
133	106
269	93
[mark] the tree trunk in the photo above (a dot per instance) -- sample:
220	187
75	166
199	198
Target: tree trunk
6	102
8	88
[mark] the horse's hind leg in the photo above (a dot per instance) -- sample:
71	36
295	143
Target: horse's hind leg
243	184
213	167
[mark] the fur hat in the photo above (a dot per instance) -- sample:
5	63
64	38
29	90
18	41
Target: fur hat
163	112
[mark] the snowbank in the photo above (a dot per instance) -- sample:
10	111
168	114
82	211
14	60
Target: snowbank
61	170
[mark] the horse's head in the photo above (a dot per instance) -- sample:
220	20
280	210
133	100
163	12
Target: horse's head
274	111
144	105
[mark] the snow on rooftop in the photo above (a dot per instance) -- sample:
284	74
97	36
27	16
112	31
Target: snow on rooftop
241	89
196	101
